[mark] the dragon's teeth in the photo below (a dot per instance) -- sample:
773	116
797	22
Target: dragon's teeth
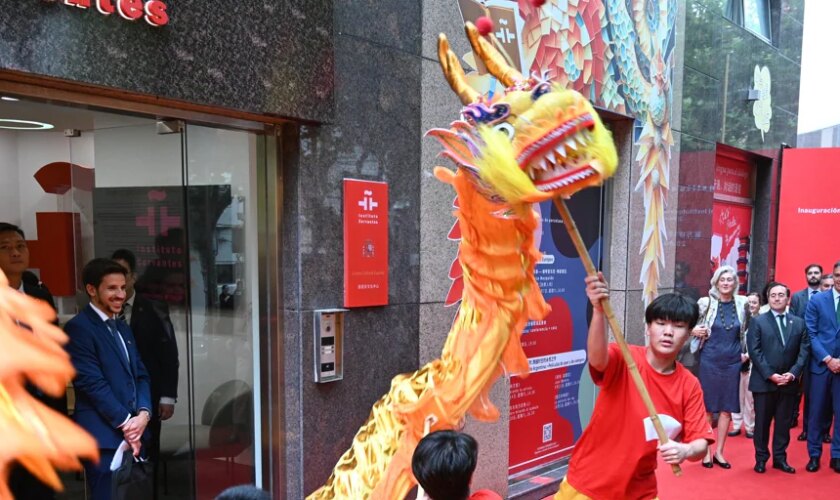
543	164
560	150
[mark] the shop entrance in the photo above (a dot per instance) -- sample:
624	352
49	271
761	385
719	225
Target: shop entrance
181	199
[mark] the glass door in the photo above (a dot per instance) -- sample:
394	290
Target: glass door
221	230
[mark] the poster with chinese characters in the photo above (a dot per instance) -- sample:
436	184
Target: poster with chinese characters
545	418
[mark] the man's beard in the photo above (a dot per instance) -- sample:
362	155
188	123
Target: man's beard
814	282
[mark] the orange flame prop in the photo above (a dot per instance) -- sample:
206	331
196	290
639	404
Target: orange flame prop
34	435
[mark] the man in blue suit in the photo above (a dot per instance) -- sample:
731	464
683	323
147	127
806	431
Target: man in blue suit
822	318
113	399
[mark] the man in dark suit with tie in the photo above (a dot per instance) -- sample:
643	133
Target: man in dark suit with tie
778	345
800	299
152	328
113	400
14	261
822	318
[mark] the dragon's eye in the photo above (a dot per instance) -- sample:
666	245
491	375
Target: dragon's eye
505	127
543	88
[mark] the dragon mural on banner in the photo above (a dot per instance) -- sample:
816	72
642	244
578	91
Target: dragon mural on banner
34	435
532	142
620	55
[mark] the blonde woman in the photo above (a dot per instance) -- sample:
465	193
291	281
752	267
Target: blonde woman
720	335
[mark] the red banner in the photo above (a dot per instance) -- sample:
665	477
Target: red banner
730	228
365	243
809	213
733	179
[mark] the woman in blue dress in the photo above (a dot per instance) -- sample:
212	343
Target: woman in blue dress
720	337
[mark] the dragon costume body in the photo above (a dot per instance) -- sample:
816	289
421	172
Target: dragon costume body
531	143
34	435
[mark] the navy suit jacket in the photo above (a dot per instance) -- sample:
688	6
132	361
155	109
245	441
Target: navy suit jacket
821	320
769	355
799	302
107	388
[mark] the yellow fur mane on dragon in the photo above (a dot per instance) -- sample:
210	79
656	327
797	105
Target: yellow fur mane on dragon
533	142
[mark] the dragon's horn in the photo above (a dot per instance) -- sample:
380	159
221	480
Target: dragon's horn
494	61
454	73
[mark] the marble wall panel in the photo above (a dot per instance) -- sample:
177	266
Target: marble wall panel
634	324
703	26
375	137
618	212
702	105
379	344
790	38
439	107
280	61
392	24
493	443
636	211
443	16
435	322
293	444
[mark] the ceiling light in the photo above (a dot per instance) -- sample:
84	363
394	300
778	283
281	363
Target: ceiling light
7	98
10	124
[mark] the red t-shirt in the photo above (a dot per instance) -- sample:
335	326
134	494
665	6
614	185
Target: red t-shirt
485	495
613	459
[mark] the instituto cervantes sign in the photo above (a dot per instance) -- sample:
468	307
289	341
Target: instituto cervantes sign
152	11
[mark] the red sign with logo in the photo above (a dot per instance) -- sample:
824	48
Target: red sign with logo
365	243
152	11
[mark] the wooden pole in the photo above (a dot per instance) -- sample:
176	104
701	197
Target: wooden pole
571	227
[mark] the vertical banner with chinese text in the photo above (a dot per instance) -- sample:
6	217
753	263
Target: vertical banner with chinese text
545	418
365	243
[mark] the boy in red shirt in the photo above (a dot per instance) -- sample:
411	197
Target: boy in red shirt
615	458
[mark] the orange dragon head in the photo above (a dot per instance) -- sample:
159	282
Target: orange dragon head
530	143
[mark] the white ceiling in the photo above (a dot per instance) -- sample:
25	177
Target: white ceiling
65	117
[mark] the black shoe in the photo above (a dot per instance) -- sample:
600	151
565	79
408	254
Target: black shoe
784	467
722	465
706	464
760	467
733	433
749	435
802	437
813	464
834	463
826	438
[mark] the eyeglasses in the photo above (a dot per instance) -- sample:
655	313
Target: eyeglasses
20	247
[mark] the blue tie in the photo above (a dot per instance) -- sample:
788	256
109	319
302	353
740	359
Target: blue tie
112	325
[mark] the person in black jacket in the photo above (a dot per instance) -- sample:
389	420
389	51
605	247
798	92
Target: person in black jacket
152	327
14	261
778	344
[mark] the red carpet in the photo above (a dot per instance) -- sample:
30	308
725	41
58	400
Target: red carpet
741	482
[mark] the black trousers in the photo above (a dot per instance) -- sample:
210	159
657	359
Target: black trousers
776	407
